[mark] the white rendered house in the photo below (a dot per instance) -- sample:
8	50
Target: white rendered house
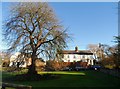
14	60
78	55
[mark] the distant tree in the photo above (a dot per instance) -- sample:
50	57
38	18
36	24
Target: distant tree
5	58
104	52
108	50
117	54
33	28
112	54
94	48
5	55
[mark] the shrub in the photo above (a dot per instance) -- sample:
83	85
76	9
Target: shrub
53	65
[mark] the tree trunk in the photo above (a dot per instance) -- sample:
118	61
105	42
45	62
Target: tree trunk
32	69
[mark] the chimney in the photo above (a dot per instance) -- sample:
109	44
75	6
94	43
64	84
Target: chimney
76	49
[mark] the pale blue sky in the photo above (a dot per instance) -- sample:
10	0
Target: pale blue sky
89	22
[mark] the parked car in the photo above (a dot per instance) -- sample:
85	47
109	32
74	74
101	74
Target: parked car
79	68
67	69
95	67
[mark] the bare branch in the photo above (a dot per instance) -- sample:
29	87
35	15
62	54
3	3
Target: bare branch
33	28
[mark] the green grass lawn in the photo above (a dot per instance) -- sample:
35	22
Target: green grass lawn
71	79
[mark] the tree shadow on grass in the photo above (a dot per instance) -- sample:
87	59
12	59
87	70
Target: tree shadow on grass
31	77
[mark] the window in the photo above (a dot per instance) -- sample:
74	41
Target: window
13	63
90	62
91	57
83	56
68	56
87	60
62	56
74	57
22	63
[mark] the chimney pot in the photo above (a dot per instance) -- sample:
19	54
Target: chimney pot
76	49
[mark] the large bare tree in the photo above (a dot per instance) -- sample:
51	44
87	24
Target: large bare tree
34	28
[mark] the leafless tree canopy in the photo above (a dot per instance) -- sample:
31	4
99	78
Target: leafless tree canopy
33	27
94	48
